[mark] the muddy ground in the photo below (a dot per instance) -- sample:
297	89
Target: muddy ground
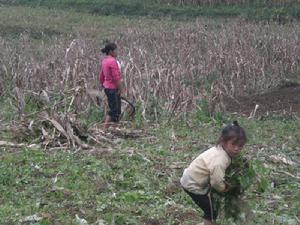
281	100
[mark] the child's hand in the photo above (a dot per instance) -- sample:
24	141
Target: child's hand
226	188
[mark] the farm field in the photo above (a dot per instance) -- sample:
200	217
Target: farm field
189	70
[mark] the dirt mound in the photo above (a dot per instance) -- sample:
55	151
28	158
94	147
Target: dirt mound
285	99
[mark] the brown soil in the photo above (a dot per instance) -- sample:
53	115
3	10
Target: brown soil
147	221
181	214
282	100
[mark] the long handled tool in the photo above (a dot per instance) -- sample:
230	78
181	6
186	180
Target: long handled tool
128	108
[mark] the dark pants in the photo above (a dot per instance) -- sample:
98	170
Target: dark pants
205	202
114	104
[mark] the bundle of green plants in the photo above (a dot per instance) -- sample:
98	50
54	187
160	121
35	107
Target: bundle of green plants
243	177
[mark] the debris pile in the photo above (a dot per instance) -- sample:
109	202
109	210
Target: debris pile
57	124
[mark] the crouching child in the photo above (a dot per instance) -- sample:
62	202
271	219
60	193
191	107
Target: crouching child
208	170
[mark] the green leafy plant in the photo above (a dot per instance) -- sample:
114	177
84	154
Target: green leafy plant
240	176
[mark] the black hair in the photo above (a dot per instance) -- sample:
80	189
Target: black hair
233	132
108	47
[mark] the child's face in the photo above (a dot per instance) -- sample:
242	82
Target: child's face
114	53
233	148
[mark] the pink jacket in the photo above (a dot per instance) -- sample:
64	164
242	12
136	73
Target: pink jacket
110	73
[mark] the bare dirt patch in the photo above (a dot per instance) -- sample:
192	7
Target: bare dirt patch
282	100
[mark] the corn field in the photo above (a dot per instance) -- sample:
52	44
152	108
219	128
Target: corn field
164	70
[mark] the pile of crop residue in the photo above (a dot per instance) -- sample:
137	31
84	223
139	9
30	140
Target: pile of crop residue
56	124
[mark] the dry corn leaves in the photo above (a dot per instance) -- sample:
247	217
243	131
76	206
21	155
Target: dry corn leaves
281	159
57	126
59	130
250	58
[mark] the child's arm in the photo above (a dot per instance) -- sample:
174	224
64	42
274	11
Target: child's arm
115	71
217	180
101	77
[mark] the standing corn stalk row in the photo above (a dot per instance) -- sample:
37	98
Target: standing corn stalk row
165	70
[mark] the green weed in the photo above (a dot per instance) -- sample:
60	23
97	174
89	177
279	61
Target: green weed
151	8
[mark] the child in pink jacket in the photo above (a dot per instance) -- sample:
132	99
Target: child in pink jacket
111	80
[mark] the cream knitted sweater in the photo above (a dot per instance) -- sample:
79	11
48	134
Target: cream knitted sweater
208	169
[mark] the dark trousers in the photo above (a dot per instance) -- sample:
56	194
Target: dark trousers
114	104
205	202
